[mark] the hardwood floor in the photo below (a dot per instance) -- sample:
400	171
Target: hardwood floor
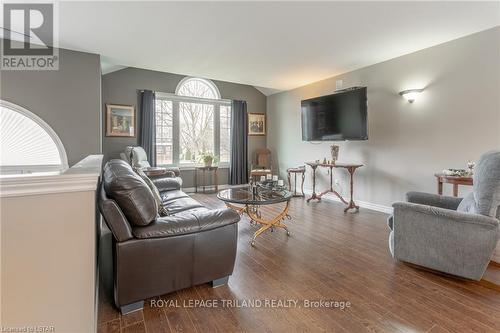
331	256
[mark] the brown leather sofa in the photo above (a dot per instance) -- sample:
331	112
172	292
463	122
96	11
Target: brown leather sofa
157	255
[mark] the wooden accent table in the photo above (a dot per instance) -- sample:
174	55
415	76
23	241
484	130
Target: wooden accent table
351	168
455	180
206	170
299	170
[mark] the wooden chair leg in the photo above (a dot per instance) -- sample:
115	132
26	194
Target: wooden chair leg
302	184
294	183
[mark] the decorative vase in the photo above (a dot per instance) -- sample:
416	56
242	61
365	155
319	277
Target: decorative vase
470	167
334	150
208	162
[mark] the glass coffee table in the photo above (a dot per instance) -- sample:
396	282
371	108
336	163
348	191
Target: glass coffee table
251	203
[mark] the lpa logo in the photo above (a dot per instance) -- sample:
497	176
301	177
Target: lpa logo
29	38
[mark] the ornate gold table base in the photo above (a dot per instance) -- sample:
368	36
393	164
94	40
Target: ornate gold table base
253	212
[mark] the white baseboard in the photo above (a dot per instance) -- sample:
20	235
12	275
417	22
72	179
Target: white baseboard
327	197
362	204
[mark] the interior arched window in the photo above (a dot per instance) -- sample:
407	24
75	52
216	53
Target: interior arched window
202	120
27	143
197	87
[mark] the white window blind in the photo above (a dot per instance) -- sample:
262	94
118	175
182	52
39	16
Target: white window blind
27	144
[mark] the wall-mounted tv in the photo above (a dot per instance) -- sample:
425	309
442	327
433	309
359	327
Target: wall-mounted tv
337	117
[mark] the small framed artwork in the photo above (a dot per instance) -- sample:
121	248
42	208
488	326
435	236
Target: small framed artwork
120	120
256	124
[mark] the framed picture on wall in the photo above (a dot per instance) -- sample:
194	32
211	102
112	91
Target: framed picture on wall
120	120
256	124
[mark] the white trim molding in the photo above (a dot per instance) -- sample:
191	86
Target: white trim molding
327	197
83	176
362	204
188	99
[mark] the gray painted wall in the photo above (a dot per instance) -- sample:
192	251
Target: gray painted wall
123	86
68	99
456	119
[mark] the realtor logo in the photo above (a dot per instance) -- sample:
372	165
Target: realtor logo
29	37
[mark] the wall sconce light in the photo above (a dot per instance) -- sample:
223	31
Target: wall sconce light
411	95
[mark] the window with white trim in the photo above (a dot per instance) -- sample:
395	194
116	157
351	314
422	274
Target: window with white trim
27	143
193	121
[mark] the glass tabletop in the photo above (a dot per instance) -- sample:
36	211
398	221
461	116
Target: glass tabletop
244	195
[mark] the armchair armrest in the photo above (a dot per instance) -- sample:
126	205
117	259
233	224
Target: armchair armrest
165	183
435	200
414	211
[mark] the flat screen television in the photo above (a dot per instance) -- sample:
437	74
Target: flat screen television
337	117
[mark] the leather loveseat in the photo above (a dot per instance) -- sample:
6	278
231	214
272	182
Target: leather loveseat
156	255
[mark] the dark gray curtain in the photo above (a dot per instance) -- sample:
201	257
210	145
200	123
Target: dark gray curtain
238	172
148	125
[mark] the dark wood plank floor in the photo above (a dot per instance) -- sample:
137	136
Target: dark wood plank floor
329	255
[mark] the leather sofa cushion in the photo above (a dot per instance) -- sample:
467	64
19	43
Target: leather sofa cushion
130	192
162	210
173	195
181	204
192	221
167	183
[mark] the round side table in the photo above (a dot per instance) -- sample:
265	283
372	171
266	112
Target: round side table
205	170
301	170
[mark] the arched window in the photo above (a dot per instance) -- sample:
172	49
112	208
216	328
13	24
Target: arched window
27	143
196	87
202	120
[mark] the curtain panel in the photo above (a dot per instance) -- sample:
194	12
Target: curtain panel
147	133
238	171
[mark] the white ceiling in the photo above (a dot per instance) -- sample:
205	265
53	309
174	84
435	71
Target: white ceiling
278	45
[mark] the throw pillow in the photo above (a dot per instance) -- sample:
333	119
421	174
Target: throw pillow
486	186
162	210
130	192
467	205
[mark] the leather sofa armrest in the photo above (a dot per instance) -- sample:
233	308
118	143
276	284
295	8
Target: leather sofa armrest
175	170
167	183
115	220
169	174
214	218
